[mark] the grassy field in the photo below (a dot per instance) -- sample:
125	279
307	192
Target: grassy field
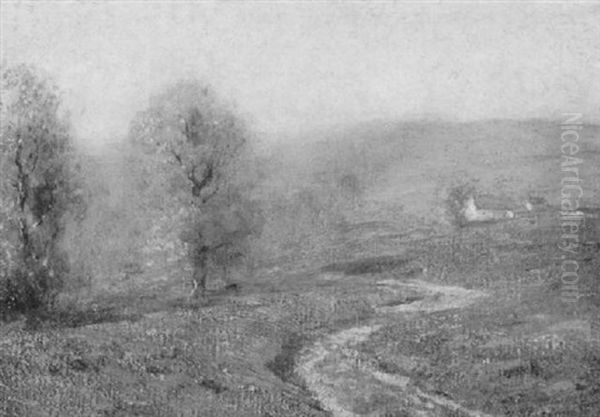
522	352
136	346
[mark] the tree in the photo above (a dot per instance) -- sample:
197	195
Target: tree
35	191
188	128
350	188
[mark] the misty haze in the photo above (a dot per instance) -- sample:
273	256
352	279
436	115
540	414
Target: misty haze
270	209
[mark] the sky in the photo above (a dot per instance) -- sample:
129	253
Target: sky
295	66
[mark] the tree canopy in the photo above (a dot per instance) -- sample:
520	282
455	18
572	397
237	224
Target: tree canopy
188	126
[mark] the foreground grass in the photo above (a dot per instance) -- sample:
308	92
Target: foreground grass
233	358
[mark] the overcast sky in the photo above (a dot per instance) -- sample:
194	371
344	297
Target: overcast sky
295	66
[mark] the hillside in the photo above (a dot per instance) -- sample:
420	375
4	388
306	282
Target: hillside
361	298
413	164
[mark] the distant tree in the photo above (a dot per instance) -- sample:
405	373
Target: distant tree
190	129
350	188
36	191
456	200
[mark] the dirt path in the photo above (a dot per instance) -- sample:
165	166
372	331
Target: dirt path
333	370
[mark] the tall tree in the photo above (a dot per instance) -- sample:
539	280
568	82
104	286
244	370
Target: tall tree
201	139
35	190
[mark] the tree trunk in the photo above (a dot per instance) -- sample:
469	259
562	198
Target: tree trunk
200	272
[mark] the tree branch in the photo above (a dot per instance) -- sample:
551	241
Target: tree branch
177	157
36	156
